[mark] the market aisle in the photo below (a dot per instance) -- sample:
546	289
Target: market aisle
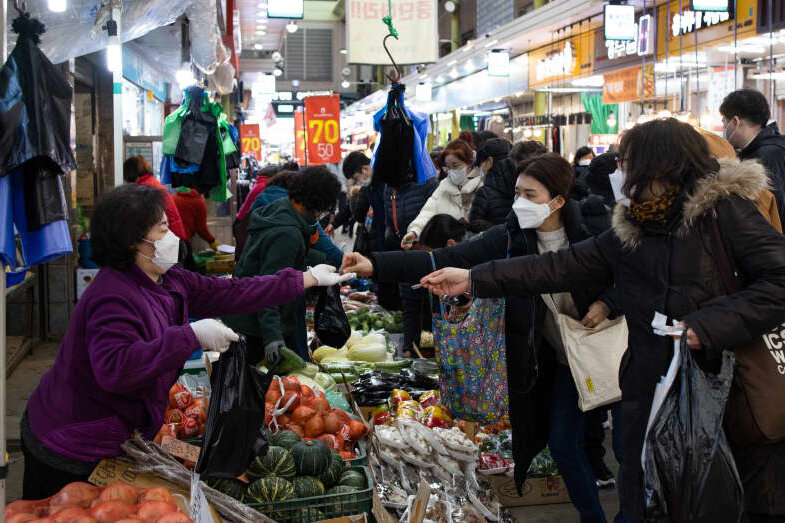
19	387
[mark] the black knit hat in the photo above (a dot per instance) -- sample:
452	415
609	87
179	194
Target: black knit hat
495	148
603	164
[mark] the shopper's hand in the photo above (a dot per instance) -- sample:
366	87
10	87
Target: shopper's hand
214	245
329	230
447	282
693	341
408	240
598	312
327	276
213	335
357	263
272	353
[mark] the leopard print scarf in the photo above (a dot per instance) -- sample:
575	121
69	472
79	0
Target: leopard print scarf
653	211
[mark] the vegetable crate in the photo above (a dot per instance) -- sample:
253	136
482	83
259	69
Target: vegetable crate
316	508
362	455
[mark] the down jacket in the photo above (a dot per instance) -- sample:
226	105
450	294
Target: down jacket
671	270
531	360
769	149
450	199
402	204
493	201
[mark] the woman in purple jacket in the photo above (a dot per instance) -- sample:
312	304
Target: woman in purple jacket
129	337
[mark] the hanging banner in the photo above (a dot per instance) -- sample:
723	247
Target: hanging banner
628	85
251	140
415	20
323	124
299	136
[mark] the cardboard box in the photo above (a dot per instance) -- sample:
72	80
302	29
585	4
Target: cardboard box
359	518
536	491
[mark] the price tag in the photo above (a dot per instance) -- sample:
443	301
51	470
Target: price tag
180	449
299	136
200	510
323	129
251	140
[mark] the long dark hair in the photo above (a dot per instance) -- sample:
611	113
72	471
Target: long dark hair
666	150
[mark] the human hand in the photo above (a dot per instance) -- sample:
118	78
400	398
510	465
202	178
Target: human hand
598	312
214	245
357	263
408	240
213	335
329	230
447	282
693	341
272	353
326	275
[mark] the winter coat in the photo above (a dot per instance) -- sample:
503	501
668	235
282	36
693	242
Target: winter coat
172	214
769	149
126	343
671	270
530	359
278	237
448	198
599	184
193	213
258	187
402	204
494	199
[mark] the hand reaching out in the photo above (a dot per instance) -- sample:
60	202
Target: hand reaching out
357	263
408	240
447	282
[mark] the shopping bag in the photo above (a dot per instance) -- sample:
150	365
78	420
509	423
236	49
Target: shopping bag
234	433
594	356
330	322
394	162
472	359
689	471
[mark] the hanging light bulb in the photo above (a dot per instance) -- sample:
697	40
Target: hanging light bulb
346	84
527	133
538	132
58	6
114	54
664	114
292	26
630	122
611	121
185	77
277	71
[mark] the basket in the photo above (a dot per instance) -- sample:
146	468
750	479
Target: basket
316	508
362	456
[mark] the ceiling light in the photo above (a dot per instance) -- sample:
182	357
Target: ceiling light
776	75
114	54
346	84
491	43
343	51
743	48
538	132
452	62
454	73
292	27
258	47
276	56
261	32
185	76
58	6
469	46
295	83
527	133
450	6
469	67
664	114
611	121
423	76
277	71
592	81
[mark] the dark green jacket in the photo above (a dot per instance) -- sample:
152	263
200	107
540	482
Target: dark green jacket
278	237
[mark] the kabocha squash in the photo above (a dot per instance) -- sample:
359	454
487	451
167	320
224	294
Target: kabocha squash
342	489
307	487
285	439
230	487
332	475
270	489
311	458
277	463
352	478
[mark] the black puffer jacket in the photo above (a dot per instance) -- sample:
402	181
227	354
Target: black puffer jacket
402	204
670	270
530	359
493	200
769	149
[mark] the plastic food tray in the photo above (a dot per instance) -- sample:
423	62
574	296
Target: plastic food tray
316	508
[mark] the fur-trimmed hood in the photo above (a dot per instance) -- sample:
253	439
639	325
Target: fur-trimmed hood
744	179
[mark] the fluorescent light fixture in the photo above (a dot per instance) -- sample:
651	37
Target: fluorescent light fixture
591	81
114	54
709	5
185	76
285	8
343	51
498	63
454	73
491	43
424	93
261	32
346	84
291	27
776	75
452	62
277	72
285	108
741	49
469	66
450	6
439	79
619	22
527	133
258	47
276	56
58	6
423	76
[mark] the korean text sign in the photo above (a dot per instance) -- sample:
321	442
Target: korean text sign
322	121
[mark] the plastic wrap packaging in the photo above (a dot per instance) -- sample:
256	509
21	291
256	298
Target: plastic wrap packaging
74	33
207	49
330	321
222	81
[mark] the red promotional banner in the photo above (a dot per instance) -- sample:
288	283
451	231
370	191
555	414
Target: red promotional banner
251	140
299	137
322	118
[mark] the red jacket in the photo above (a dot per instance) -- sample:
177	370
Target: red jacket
193	212
175	223
256	190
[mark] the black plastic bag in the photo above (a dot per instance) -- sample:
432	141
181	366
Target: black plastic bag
234	433
394	163
362	241
197	126
44	195
689	471
330	321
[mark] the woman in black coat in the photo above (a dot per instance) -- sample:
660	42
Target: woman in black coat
543	398
660	258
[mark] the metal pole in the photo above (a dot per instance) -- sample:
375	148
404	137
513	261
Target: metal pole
667	57
735	45
3	348
117	108
772	102
455	27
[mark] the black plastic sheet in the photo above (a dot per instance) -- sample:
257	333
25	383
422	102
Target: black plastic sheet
330	321
234	433
689	471
394	163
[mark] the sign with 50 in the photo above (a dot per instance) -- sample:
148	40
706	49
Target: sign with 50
322	117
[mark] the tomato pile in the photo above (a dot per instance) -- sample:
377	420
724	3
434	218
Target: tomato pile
185	415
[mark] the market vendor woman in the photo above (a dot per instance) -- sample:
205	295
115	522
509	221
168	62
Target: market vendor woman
129	337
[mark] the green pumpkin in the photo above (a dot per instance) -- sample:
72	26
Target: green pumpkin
332	475
342	489
270	489
352	478
307	487
311	458
230	487
285	439
277	463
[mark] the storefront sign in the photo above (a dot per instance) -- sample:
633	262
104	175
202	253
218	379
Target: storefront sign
640	46
299	136
709	5
322	119
415	20
562	61
561	64
603	140
628	85
619	22
689	21
251	141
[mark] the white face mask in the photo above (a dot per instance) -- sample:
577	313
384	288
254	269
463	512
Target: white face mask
458	176
584	163
617	179
167	250
729	135
531	215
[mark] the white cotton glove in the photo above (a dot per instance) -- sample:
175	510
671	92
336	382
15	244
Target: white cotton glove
213	335
327	276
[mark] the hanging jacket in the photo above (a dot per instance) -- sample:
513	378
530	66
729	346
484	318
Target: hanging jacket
450	199
530	359
402	204
493	201
193	214
672	270
172	214
769	149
